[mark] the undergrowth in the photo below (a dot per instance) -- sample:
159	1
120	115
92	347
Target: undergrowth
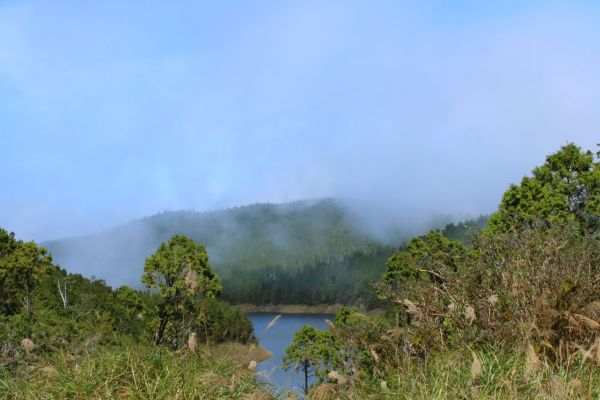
495	375
138	372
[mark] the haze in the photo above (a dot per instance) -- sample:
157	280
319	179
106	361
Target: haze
114	110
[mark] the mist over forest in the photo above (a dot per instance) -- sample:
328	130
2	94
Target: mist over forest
247	243
411	108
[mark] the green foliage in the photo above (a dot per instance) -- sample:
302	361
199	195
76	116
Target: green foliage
130	309
218	322
181	272
533	266
517	313
436	252
467	317
464	231
359	342
133	372
68	312
290	236
538	285
505	375
259	251
344	280
312	351
22	265
47	305
428	258
566	188
400	270
180	267
90	316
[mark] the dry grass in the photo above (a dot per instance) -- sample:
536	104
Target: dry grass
541	286
192	342
498	375
518	320
142	372
27	345
324	391
259	395
237	353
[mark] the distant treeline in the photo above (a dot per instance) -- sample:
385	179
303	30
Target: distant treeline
305	252
346	280
289	235
463	231
340	280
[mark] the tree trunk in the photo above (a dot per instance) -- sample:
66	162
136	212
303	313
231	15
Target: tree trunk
305	377
160	332
63	296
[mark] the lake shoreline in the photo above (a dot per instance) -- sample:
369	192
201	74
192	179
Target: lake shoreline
275	332
297	309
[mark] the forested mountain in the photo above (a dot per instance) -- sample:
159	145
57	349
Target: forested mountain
256	236
258	250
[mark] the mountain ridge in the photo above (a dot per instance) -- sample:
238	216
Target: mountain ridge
253	236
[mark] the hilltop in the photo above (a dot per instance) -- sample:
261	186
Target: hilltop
255	236
308	252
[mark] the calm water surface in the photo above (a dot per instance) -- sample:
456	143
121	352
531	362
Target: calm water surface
276	339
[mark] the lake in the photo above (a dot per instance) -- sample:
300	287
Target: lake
276	339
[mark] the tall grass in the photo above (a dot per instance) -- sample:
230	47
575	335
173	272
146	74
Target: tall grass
138	372
519	318
502	375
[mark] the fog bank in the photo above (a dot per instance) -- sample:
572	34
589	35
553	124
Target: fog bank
115	111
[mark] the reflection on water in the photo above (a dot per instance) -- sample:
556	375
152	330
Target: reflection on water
276	335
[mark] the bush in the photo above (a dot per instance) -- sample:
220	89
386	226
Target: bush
539	285
218	322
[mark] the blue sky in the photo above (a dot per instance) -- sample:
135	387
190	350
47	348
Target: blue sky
114	110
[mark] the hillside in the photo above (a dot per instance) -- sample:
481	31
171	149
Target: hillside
309	252
251	237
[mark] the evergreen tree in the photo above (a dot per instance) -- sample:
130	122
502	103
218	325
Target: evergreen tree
22	266
181	272
565	188
313	351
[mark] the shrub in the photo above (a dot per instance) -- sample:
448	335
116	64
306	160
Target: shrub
218	322
539	285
